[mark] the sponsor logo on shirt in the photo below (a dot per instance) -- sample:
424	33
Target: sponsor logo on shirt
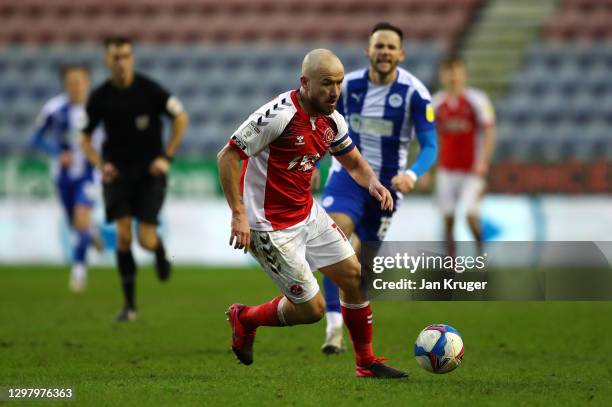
304	162
457	125
372	126
429	113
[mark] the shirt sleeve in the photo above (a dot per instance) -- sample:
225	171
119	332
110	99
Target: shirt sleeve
167	103
428	142
422	112
342	143
39	140
485	113
423	118
437	99
93	115
261	128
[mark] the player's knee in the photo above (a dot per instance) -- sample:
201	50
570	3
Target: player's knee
81	218
316	310
147	240
472	217
351	277
80	224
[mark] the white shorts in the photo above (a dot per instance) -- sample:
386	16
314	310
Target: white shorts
290	256
454	187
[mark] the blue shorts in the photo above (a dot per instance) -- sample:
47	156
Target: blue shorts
73	193
342	194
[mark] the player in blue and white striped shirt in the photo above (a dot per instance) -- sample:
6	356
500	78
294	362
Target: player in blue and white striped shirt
57	130
385	107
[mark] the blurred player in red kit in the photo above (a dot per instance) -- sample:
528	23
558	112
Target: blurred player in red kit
465	122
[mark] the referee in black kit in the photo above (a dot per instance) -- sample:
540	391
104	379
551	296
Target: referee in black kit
134	162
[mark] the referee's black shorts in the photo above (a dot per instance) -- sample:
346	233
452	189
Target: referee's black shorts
137	194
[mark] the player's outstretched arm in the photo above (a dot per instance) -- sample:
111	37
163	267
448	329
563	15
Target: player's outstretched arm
362	173
228	161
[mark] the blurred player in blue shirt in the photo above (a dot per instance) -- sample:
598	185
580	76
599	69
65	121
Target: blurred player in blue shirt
57	133
385	107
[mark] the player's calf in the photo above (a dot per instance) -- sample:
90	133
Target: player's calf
148	239
244	320
357	315
124	234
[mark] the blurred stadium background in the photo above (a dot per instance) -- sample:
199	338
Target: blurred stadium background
547	65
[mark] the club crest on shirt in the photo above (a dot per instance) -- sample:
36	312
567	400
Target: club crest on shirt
142	122
305	162
329	135
299	140
395	100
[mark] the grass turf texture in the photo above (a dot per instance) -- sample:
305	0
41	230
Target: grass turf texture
177	352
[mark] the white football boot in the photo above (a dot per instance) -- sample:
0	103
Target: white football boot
334	341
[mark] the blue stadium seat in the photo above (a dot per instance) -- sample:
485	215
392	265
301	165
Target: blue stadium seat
220	86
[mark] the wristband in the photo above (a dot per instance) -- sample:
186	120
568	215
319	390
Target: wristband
167	157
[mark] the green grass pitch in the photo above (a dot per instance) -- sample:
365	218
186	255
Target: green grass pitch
177	352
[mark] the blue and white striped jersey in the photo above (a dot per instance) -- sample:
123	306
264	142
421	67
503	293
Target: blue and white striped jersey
384	119
58	127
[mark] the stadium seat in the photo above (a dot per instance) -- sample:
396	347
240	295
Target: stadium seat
38	21
219	85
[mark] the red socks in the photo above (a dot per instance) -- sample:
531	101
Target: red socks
357	317
358	320
265	314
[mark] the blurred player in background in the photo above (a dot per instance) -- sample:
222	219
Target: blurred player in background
385	106
57	133
276	218
465	122
134	162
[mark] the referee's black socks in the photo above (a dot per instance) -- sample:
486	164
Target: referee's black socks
160	250
127	271
162	265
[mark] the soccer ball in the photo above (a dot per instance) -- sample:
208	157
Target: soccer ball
439	348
